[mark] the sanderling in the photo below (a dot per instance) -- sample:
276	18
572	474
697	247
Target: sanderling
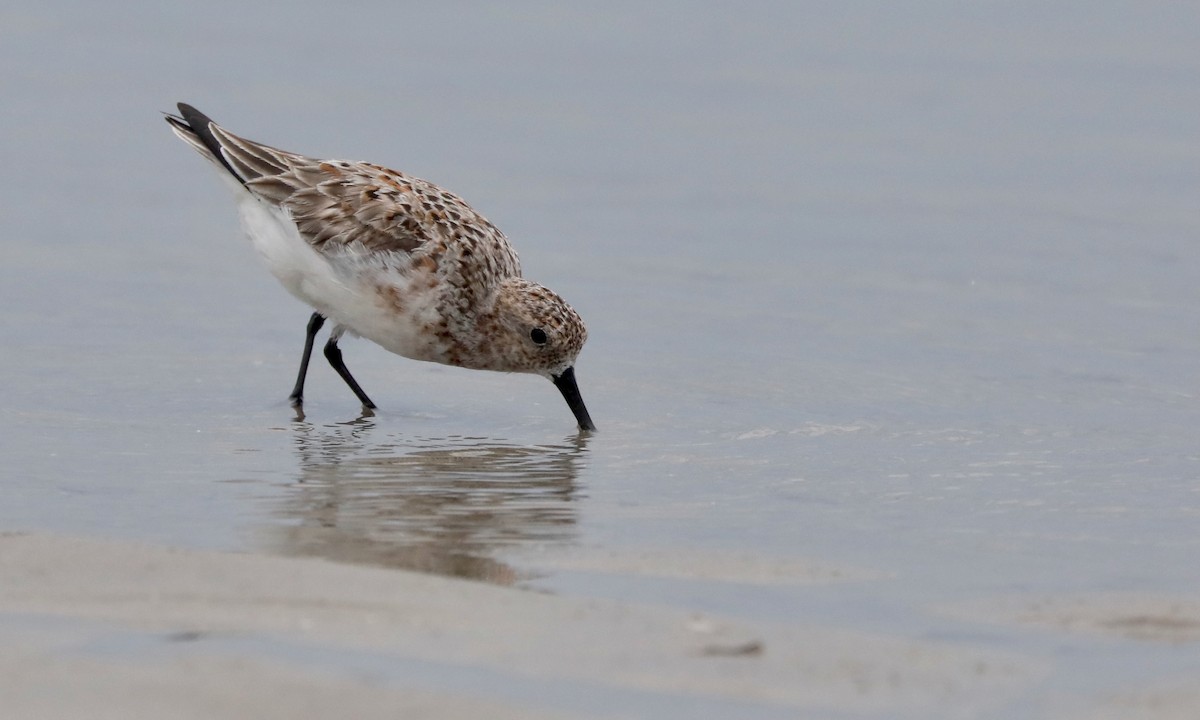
394	259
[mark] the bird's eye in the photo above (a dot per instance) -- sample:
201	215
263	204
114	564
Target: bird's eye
538	336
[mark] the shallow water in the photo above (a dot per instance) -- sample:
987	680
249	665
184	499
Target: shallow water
909	293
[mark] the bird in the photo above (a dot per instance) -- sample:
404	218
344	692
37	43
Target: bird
394	259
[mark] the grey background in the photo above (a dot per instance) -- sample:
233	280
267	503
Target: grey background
903	287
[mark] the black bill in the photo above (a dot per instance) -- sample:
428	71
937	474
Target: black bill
570	392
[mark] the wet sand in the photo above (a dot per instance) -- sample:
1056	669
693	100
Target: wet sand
99	629
145	627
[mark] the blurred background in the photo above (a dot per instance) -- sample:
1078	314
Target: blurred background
903	288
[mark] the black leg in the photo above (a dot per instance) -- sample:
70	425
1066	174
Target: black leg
314	325
334	355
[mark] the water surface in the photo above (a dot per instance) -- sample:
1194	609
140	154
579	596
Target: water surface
908	291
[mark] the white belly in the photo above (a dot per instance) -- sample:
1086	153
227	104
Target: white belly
357	291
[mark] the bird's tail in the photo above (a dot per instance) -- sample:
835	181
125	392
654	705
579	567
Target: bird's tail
245	160
196	129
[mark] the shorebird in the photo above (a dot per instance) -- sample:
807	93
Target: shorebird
394	259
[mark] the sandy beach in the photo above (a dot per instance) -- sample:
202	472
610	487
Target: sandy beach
103	629
97	628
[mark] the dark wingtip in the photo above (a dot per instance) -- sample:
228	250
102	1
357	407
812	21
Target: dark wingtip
199	123
194	117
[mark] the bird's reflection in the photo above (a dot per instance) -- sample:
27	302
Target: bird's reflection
446	505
